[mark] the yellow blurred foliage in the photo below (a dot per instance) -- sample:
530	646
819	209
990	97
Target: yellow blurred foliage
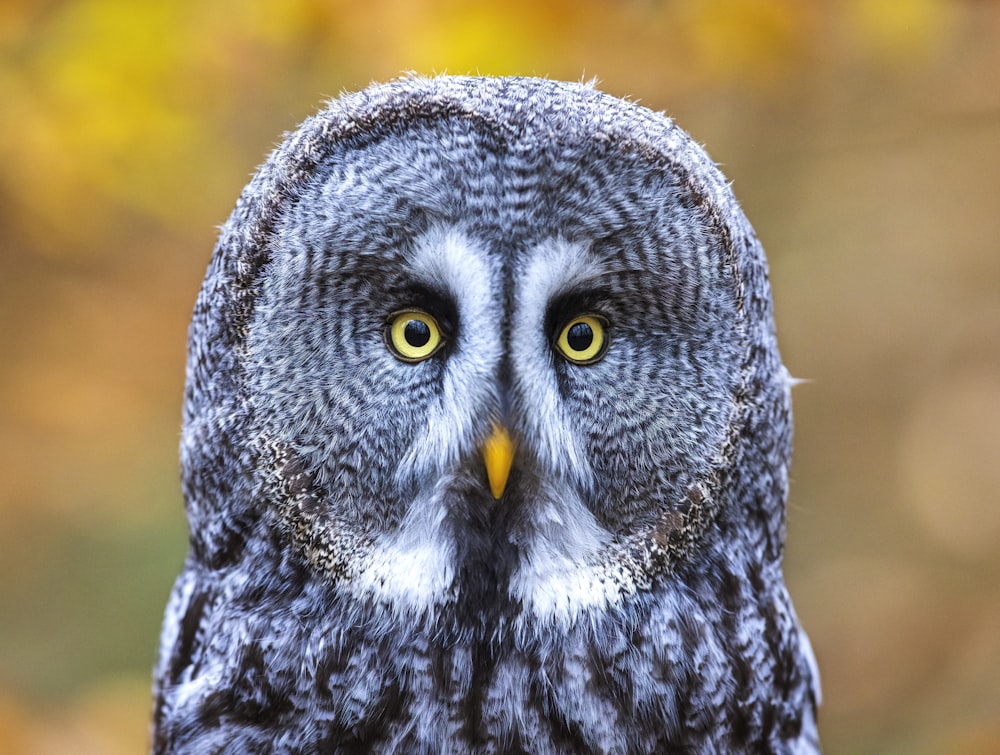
863	137
121	119
750	40
894	29
104	98
112	718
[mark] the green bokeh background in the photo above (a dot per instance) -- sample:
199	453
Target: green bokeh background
863	139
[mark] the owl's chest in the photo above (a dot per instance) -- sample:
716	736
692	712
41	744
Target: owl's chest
484	694
357	677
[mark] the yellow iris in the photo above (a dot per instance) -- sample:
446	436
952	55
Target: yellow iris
413	335
584	339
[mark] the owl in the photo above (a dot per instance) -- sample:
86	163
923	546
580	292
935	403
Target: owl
485	444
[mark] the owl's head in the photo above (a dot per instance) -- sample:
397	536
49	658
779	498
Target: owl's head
501	338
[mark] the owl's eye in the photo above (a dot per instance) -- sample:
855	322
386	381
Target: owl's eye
584	339
412	335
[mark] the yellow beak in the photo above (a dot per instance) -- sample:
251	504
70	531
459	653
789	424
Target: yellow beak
498	453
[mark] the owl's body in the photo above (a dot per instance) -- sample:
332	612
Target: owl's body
560	263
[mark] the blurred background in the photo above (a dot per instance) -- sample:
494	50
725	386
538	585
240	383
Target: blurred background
862	137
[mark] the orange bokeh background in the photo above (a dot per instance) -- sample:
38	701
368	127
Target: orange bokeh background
863	139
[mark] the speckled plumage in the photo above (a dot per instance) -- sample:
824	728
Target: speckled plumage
351	584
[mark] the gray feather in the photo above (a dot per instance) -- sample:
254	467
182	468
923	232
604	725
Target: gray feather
351	583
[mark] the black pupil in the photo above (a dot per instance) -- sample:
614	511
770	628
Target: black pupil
417	333
580	337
